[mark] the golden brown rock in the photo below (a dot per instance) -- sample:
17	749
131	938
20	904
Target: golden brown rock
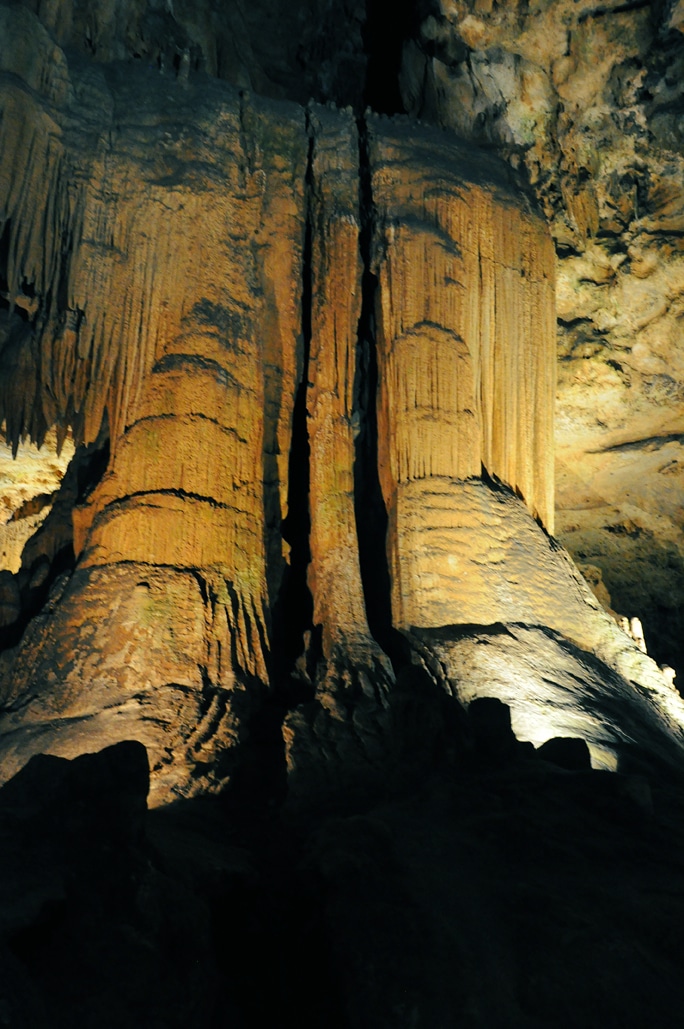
198	456
313	352
28	481
175	311
335	737
267	309
129	652
587	98
466	357
334	574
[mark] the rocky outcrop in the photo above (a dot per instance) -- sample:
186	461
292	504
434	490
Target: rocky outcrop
87	904
115	915
322	350
299	577
188	340
30	479
273	48
585	99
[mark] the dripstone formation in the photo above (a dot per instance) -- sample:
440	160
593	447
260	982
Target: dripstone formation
265	311
304	551
586	100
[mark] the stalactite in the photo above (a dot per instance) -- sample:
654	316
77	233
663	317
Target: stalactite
431	396
197	269
202	382
163	242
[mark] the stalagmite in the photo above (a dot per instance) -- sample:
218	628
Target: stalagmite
353	674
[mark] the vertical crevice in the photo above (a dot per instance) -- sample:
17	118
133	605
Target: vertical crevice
369	505
5	262
293	611
259	776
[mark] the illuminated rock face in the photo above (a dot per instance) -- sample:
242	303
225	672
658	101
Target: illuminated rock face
587	99
186	330
466	356
294	329
334	573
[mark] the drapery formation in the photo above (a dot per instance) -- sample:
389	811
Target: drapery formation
234	288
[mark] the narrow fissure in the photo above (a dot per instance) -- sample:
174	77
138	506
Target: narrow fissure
259	778
5	260
293	611
369	505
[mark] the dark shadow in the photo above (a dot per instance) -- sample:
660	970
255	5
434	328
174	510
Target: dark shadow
293	607
387	28
369	505
471	896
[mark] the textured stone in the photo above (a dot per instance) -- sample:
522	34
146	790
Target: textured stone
322	351
28	480
466	360
308	51
179	297
127	653
337	736
585	100
610	695
314	572
10	601
334	574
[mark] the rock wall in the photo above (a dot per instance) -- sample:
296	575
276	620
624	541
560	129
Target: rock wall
585	99
166	303
28	482
321	350
272	47
334	572
301	583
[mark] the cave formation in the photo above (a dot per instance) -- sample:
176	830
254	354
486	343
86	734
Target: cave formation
289	288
